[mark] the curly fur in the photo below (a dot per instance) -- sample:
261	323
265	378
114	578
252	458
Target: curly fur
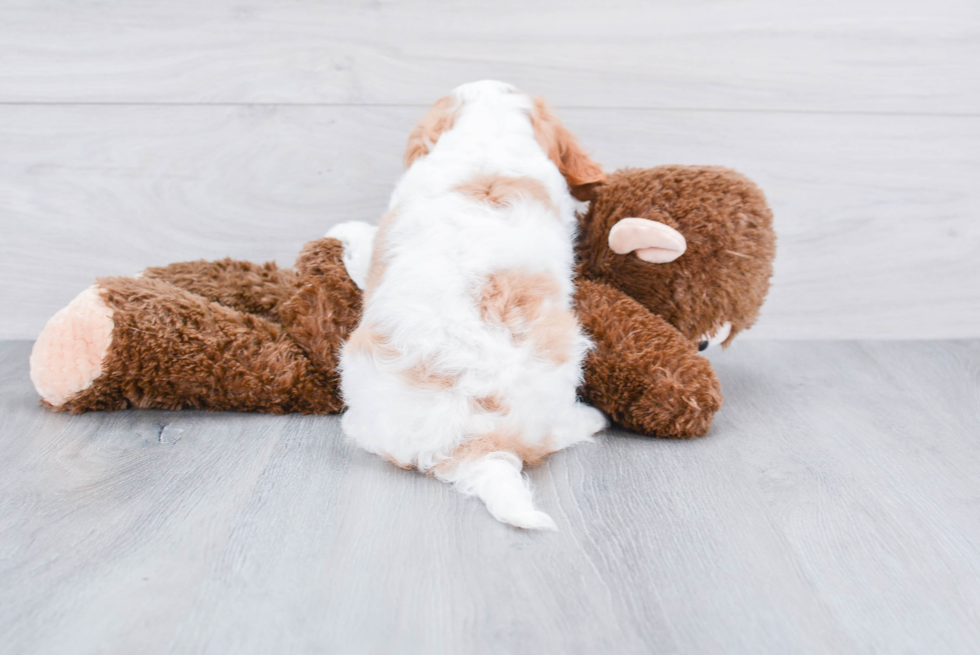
474	298
634	351
644	319
195	335
723	275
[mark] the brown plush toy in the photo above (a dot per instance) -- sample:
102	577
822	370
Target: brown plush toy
232	335
647	318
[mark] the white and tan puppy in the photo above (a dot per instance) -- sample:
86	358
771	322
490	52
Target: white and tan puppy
468	355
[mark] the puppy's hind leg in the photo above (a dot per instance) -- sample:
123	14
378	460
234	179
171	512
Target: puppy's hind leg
496	479
579	425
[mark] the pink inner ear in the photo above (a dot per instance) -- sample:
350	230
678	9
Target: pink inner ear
650	240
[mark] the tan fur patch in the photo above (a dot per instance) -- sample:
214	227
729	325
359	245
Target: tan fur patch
422	375
554	334
369	341
526	304
388	458
515	298
493	403
437	120
498	440
501	190
379	253
561	146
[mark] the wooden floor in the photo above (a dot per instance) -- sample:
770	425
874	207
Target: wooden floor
835	508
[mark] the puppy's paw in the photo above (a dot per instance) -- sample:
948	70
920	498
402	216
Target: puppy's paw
583	422
591	419
358	240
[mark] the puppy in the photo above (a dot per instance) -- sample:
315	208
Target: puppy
468	355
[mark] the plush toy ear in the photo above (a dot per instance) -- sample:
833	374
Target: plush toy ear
650	240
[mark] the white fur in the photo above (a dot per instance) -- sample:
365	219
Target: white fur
357	238
441	248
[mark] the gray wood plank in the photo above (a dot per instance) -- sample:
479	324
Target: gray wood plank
868	456
879	231
832	509
840	55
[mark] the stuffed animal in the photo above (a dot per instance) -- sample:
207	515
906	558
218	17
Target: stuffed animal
670	259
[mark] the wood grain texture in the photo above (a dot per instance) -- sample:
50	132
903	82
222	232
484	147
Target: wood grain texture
879	234
867	457
832	509
878	56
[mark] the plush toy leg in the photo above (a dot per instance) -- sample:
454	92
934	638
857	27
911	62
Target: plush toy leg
258	289
68	355
171	349
317	303
642	372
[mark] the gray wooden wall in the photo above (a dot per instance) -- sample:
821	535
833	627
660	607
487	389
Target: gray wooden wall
139	133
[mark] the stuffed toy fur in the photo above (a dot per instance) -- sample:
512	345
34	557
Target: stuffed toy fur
231	335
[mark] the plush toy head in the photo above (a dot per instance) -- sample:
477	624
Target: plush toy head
692	244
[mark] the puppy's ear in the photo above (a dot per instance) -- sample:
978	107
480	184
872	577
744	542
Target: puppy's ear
437	120
581	173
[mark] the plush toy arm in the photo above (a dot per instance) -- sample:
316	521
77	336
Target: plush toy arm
642	372
326	306
258	289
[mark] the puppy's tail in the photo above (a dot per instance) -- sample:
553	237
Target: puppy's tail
496	479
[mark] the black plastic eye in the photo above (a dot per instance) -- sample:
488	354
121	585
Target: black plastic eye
702	346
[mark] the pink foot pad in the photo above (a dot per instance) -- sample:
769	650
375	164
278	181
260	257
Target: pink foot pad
67	356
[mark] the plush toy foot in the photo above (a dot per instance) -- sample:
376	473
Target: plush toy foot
68	355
